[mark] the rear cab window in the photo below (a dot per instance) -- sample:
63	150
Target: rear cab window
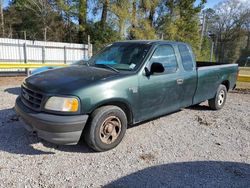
187	58
165	55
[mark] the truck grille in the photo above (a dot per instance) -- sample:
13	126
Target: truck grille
31	98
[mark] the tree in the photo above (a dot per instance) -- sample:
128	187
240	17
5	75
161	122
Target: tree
70	11
105	7
99	37
109	20
42	9
228	22
245	51
181	23
149	8
82	19
67	9
121	10
142	19
46	24
2	19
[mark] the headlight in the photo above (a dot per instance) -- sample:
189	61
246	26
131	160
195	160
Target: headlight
63	104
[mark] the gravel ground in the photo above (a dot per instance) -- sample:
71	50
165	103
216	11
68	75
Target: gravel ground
195	147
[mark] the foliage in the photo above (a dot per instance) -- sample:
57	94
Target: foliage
106	21
43	25
182	24
120	8
228	24
101	36
143	31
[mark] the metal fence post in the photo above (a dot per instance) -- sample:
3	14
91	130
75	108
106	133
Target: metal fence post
25	57
89	47
65	55
90	50
25	53
211	51
43	54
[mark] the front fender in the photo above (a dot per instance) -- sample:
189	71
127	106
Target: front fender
117	92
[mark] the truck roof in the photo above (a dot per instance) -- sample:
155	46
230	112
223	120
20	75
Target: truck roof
151	42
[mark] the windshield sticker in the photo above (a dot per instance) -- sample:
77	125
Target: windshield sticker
132	66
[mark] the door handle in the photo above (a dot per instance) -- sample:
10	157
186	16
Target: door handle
179	81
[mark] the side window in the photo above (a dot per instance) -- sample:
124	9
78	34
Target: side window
186	57
165	55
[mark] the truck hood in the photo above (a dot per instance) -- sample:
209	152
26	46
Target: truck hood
67	79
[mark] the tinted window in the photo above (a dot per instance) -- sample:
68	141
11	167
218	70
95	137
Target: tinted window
165	54
186	57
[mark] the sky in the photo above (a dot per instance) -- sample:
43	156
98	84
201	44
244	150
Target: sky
210	3
5	2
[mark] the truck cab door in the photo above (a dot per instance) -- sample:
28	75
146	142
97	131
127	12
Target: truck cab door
159	92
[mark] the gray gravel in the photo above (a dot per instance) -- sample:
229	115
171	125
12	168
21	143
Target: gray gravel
193	147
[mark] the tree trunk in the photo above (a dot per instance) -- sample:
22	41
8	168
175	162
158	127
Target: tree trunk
121	28
248	40
82	19
104	12
133	20
203	29
170	4
219	47
2	19
151	16
45	34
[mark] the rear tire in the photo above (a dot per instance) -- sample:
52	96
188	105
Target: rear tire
106	128
219	100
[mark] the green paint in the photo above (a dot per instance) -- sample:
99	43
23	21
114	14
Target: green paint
143	97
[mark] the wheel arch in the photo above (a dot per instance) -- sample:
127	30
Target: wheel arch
226	83
125	106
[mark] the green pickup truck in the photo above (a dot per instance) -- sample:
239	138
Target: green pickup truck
126	83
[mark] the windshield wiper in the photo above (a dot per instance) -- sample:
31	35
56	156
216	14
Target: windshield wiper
86	63
108	66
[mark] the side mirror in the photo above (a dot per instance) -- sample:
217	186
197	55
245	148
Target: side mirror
156	68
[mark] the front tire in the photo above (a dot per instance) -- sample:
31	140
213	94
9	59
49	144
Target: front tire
106	129
219	100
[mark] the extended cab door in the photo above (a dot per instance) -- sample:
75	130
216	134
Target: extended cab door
159	92
188	75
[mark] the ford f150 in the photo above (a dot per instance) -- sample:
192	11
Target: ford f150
126	83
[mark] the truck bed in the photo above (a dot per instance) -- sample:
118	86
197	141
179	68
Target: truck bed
210	75
207	63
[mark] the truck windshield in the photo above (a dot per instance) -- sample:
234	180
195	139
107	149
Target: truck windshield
121	56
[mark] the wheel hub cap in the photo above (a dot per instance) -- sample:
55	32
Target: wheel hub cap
221	97
110	129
